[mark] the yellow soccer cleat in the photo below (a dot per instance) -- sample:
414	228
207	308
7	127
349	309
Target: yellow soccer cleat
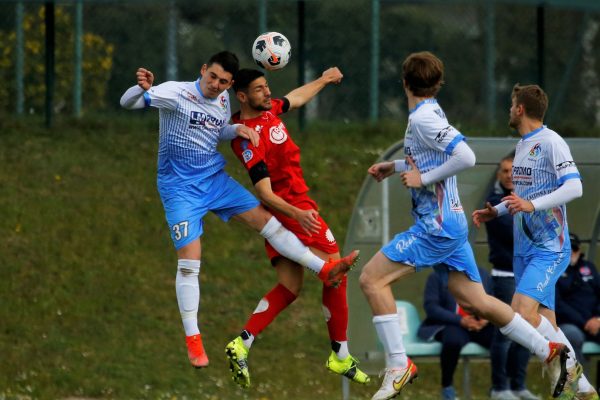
347	367
237	354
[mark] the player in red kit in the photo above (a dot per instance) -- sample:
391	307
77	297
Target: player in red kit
274	168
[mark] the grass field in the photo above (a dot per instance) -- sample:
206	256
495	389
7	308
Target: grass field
87	271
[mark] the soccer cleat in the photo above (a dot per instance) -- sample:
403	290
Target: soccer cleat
569	391
394	380
334	270
556	363
347	367
196	352
237	353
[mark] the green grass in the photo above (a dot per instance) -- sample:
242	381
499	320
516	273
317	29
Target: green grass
87	271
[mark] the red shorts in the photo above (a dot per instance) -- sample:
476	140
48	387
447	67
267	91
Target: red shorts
324	240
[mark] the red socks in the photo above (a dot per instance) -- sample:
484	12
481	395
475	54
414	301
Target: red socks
268	308
335	306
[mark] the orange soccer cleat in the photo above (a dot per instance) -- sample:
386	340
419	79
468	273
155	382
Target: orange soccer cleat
196	352
557	365
334	270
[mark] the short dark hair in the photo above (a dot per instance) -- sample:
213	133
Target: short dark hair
423	73
227	60
244	78
533	99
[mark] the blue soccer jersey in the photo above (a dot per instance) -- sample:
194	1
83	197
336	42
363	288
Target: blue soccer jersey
430	140
542	163
191	126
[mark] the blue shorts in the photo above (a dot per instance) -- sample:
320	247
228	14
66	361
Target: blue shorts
185	206
421	250
536	275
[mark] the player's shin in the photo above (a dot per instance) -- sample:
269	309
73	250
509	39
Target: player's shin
521	331
289	246
188	294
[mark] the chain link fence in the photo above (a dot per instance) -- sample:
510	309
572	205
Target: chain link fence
487	46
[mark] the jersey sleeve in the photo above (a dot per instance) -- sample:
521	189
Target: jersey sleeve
437	133
245	151
280	106
164	95
564	166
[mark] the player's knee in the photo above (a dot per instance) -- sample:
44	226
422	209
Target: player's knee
295	288
367	284
188	267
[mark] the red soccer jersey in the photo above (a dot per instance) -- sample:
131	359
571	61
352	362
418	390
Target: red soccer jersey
276	149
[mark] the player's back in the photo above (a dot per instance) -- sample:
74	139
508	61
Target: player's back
429	141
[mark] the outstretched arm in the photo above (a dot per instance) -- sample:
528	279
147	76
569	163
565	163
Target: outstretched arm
302	95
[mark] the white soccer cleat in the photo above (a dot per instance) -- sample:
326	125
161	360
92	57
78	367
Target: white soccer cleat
394	381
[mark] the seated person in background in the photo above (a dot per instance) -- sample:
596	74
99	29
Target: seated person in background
578	308
449	324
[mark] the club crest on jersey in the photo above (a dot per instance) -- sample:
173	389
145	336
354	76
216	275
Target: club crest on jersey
247	155
536	150
277	134
223	102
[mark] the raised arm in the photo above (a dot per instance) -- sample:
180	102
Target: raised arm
302	95
133	98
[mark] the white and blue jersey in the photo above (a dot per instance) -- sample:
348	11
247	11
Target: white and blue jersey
439	236
191	126
542	248
542	163
191	180
430	140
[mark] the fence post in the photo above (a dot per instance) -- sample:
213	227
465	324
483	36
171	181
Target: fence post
78	42
374	103
20	58
490	61
262	16
49	41
172	42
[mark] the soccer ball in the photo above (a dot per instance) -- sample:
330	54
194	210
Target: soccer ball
271	51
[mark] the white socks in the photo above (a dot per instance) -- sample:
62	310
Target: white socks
390	335
546	329
289	246
188	294
343	351
522	332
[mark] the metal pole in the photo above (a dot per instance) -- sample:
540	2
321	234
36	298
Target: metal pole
301	61
490	46
374	98
77	89
49	28
540	44
20	58
262	16
172	42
